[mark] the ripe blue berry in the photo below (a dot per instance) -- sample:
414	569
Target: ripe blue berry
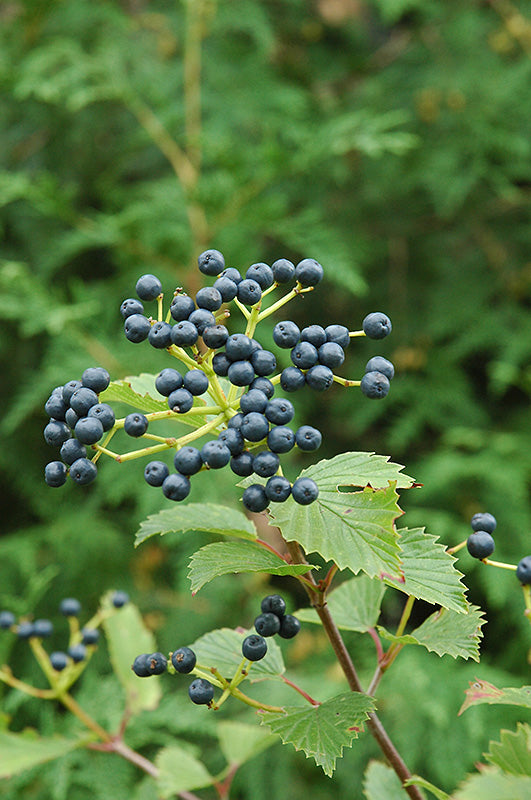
280	439
96	378
119	599
184	334
159	335
292	379
156	663
331	354
195	381
480	544
215	336
215	454
380	364
267	624
242	464
289	627
71	417
183	660
483	522
58	660
25	630
523	570
72	449
135	424
338	334
211	262
286	334
148	287
283	270
239	347
104	413
375	385
236	421
308	272
233	274
131	306
266	464
264	385
264	362
277	489
176	487
254	498
262	274
254	427
249	292
188	460
254	647
233	439
319	378
308	438
304	491
240	373
70	607
55	473
201	692
314	334
140	666
304	355
136	328
82	400
90	636
7	619
56	406
88	430
168	381
181	401
181	307
253	400
42	628
83	471
208	298
274	604
279	411
57	432
202	319
77	653
377	325
227	288
221	364
69	389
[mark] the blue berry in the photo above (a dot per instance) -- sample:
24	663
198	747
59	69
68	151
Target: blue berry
155	472
57	432
195	381
88	430
83	471
240	373
42	628
160	335
82	400
274	604
77	653
188	460
55	473
483	522
90	636
254	427
254	498
266	464
70	607
181	401
69	389
308	272
131	306
201	692
242	465
211	262
338	334
176	487
140	666
221	364
119	599
280	439
375	385
181	307
202	319
215	336
168	381
289	627
183	660
331	354
249	292
7	619
233	439
314	334
227	288
264	362
308	438
254	647
286	334
135	424
233	274
25	630
523	570
209	297
292	379
215	454
148	287
304	355
377	325
279	411
236	421
264	385
156	663
267	624
319	378
96	378
184	334
253	400
304	491
136	328
480	544
380	364
104	413
262	274
58	660
56	406
283	270
278	489
239	347
71	417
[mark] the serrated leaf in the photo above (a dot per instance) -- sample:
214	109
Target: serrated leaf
358	469
207	517
127	637
354	605
382	783
20	751
122	391
429	571
179	771
222	558
446	633
483	692
355	530
222	649
322	731
513	752
494	785
240	742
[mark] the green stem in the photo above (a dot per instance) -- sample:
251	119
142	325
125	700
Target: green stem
283	300
345	381
500	564
6	676
406	613
456	547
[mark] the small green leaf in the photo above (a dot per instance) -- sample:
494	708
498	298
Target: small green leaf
137	391
223	649
179	771
240	742
513	753
416	780
494	785
20	751
127	637
429	571
358	469
222	558
207	517
382	783
322	731
354	605
483	692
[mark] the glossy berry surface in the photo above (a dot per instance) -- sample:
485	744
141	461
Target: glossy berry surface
262	274
375	385
181	401
319	378
308	272
140	666
286	334
283	270
135	425
55	473
483	522
331	355
83	471
215	336
240	373
131	306
267	624
480	544
308	438
211	262
254	498
25	630
43	628
304	491
242	464
292	379
88	430
254	427
70	607
77	653
208	298
523	570
157	663
119	599
176	487
104	413
159	335
136	328
215	454
233	439
253	400
188	460
167	381
249	292
377	325
148	287
59	661
254	647
96	378
279	411
273	603
183	660
380	364
201	692
195	381
266	463
57	432
82	400
338	334
289	627
90	636
278	489
280	439
181	307
184	334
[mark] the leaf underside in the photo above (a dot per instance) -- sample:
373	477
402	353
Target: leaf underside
206	517
354	605
483	692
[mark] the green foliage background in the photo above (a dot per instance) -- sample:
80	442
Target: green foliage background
387	139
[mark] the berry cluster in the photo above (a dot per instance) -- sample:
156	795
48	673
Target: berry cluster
250	425
480	543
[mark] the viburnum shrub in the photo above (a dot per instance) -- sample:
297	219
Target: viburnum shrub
222	385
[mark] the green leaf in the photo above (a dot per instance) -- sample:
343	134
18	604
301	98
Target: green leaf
446	633
483	692
136	391
221	558
429	571
322	731
513	753
127	636
357	469
416	780
493	785
382	783
240	742
208	517
355	530
179	771
20	751
222	649
354	605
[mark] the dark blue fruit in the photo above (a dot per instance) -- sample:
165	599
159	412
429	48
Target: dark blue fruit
201	692
331	355
160	335
176	486
338	334
253	400
279	411
304	355
148	287
58	660
480	544
308	272
289	627
42	628
135	424
483	522
195	381
77	653
57	432
380	364
25	630
215	336
90	636
156	663
286	334
280	439
104	413
184	334
168	381
188	460
319	378
377	325
119	599
239	347
304	491
136	328
267	624
183	660
156	472
211	262
233	439
375	385
140	666
240	373
69	389
88	430
82	400
181	307
180	401
278	489
523	570
254	427
283	270
314	334
56	406
264	385
254	498
227	288
70	607
202	318
55	473
209	297
221	364
215	454
308	438
96	378
292	379
262	274
266	464
7	619
131	306
264	362
254	647
242	465
273	603
83	471
249	292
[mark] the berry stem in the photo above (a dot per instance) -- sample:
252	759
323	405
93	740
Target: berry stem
300	691
500	564
353	334
160	307
242	308
345	381
255	703
283	300
6	676
456	547
182	356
